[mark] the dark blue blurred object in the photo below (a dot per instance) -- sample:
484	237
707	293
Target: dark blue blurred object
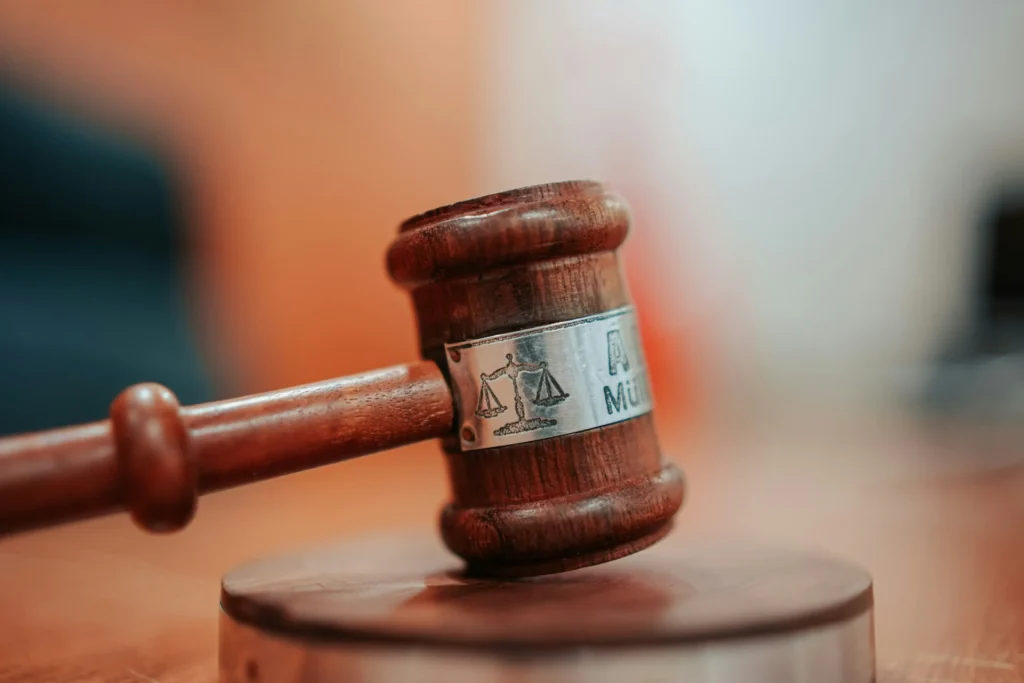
91	255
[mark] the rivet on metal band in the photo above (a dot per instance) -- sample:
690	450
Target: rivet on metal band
548	381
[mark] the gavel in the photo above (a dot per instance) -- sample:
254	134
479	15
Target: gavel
533	377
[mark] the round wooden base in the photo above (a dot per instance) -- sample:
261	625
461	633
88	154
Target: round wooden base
397	609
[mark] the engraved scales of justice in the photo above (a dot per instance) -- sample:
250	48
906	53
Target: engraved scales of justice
549	393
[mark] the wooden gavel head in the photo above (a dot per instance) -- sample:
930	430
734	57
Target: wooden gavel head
541	257
534	378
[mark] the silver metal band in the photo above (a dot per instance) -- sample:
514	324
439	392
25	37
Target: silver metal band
548	381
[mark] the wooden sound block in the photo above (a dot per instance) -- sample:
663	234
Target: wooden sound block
398	609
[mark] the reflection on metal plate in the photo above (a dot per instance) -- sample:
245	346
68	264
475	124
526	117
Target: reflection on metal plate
548	381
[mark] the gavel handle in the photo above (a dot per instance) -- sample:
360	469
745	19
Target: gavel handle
155	457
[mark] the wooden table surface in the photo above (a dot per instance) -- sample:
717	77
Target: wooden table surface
936	513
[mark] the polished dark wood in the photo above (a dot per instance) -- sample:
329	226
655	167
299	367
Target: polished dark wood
515	260
671	613
503	262
670	594
155	457
933	512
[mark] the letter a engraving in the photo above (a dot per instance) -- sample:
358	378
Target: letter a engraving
616	353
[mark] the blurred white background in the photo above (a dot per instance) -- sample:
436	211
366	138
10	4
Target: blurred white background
807	176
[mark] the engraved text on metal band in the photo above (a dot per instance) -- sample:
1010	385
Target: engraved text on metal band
548	381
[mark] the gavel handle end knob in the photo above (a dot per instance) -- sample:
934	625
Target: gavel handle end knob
158	473
155	457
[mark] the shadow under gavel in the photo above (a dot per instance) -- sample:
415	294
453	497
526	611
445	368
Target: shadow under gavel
523	286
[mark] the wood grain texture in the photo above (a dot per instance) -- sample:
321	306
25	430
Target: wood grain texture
670	594
155	457
157	467
701	612
933	513
509	261
514	260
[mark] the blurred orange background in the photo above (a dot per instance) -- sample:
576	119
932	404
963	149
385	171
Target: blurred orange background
302	134
806	180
